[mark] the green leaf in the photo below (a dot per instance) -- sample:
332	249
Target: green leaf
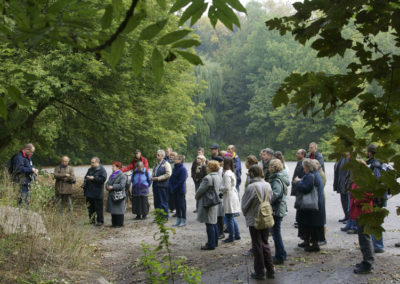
3	108
186	43
162	4
117	48
196	16
179	4
152	30
134	22
227	12
157	63
189	12
107	17
212	16
30	77
173	36
58	6
15	94
236	5
137	59
192	58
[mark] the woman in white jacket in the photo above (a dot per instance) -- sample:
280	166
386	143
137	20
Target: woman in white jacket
230	199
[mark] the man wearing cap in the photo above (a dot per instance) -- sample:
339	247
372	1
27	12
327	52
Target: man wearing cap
215	155
138	157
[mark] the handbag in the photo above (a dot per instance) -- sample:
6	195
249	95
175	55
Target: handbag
211	198
118	195
309	201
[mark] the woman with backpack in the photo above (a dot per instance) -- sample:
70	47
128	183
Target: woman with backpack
279	182
140	191
116	197
258	193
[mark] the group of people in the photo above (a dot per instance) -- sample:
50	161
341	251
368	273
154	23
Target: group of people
217	180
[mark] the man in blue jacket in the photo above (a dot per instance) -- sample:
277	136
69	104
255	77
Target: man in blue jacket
238	166
93	186
23	172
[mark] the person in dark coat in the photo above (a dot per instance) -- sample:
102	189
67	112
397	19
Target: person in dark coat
339	185
140	191
311	223
314	154
199	171
116	186
138	157
23	172
299	170
215	154
266	157
160	176
177	186
238	166
93	186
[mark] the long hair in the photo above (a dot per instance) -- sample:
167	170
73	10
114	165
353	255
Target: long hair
228	164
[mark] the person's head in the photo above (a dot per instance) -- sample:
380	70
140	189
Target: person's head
317	165
139	166
213	166
279	156
256	171
64	161
347	155
228	164
231	149
200	159
200	151
251	160
168	151
138	154
267	154
94	162
223	153
312	148
275	166
371	150
179	159
116	166
173	155
160	155
28	149
308	165
301	154
214	149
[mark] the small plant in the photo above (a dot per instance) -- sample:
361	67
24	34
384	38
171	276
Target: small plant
160	266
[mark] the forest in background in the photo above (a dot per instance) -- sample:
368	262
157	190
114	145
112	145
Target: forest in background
83	107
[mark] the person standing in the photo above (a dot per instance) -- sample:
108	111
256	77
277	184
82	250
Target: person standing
93	186
259	238
238	166
177	186
215	154
266	157
116	204
314	154
65	178
168	153
140	191
339	185
138	157
299	170
208	215
23	172
279	155
199	171
161	174
230	199
279	182
376	168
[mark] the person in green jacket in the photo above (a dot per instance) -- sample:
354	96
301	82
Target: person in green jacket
279	182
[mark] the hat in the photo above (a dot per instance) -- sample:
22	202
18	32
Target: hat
138	151
214	146
227	155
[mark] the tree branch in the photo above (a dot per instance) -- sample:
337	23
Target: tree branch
120	29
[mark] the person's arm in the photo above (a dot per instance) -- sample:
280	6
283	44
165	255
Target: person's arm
71	173
305	185
100	176
247	198
276	188
226	183
204	185
58	174
128	168
193	169
168	172
120	184
20	166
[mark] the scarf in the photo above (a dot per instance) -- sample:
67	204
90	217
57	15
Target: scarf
115	173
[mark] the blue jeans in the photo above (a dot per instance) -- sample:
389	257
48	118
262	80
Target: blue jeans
280	253
212	235
378	244
161	199
351	225
233	227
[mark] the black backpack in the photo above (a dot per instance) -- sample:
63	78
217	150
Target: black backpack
11	166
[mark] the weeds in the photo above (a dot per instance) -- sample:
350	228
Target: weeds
159	263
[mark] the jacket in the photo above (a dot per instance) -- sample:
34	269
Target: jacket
356	206
230	195
275	179
118	183
95	188
265	167
318	156
132	164
198	172
250	202
340	177
177	181
312	218
23	168
64	183
140	182
162	171
238	169
298	172
208	215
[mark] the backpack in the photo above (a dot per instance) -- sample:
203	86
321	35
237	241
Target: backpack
11	167
264	219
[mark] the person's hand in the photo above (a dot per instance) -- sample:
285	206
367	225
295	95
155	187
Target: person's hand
296	180
67	175
154	178
35	171
110	187
90	177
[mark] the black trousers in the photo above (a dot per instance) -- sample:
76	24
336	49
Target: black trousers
261	250
95	206
117	220
344	199
366	246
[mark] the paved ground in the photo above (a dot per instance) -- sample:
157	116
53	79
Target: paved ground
334	264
